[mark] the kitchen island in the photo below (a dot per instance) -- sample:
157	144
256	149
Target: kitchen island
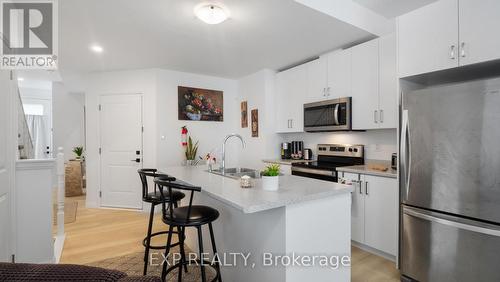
306	220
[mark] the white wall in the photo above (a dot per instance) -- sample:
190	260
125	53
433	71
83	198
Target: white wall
258	90
210	134
379	144
68	119
162	130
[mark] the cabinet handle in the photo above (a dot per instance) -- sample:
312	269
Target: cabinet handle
452	52
381	116
328	91
366	187
291	123
462	50
324	92
375	116
359	183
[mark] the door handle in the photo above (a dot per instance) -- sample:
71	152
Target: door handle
381	116
452	52
291	123
462	49
375	116
328	91
366	187
336	114
137	160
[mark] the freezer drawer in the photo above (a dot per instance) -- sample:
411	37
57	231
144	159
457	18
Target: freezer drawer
441	248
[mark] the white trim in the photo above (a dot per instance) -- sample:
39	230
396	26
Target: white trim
12	144
58	247
35	164
374	251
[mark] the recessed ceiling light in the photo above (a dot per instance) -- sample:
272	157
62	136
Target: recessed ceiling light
96	48
211	13
20	79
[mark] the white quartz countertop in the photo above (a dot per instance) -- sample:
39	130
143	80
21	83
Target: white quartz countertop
367	169
292	190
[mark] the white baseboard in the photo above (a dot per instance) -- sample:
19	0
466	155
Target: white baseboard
58	247
373	251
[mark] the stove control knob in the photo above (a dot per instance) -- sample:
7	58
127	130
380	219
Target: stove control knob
355	150
350	149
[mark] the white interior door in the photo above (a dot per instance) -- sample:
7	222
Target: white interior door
42	140
121	146
6	158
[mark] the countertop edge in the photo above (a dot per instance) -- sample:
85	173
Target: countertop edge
358	170
269	206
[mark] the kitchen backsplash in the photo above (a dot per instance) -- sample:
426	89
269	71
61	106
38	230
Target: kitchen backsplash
379	144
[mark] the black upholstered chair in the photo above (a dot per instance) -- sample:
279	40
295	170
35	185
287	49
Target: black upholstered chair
155	198
187	216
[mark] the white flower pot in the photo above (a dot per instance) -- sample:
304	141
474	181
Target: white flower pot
270	183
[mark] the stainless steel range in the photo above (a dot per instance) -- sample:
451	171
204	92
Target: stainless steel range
330	156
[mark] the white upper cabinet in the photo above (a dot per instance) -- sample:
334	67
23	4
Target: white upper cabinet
428	38
316	80
339	74
448	34
365	82
479	31
291	88
388	82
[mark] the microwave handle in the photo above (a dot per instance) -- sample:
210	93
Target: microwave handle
336	114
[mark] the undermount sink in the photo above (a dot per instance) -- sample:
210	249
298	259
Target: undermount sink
237	172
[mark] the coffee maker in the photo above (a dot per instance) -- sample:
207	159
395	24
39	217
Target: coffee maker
286	151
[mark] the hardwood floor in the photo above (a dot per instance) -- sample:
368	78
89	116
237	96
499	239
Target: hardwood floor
99	234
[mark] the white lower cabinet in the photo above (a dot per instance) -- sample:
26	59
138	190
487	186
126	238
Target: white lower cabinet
374	211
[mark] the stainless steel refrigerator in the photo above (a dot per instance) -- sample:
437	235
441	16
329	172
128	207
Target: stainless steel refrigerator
450	182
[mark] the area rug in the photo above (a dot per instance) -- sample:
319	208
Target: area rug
70	209
133	264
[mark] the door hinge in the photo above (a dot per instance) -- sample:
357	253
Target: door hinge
100	150
13	258
100	107
100	194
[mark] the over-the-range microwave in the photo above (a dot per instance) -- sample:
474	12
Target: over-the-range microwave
328	115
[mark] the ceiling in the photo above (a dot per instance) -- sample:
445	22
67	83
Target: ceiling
393	8
165	33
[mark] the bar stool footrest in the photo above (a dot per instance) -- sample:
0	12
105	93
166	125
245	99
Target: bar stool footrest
145	241
198	262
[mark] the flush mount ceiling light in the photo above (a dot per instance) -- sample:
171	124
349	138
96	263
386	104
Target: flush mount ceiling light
96	49
211	13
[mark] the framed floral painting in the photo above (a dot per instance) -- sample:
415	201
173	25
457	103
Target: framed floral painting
200	104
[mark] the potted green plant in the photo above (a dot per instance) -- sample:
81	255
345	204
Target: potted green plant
270	177
191	151
78	150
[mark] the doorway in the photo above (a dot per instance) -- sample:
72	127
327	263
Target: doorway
121	141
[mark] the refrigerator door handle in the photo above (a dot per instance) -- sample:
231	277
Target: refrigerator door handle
405	153
432	216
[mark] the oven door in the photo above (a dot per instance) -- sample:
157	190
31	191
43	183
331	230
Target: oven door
330	115
321	174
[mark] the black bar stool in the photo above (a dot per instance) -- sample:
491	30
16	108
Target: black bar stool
187	216
155	198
